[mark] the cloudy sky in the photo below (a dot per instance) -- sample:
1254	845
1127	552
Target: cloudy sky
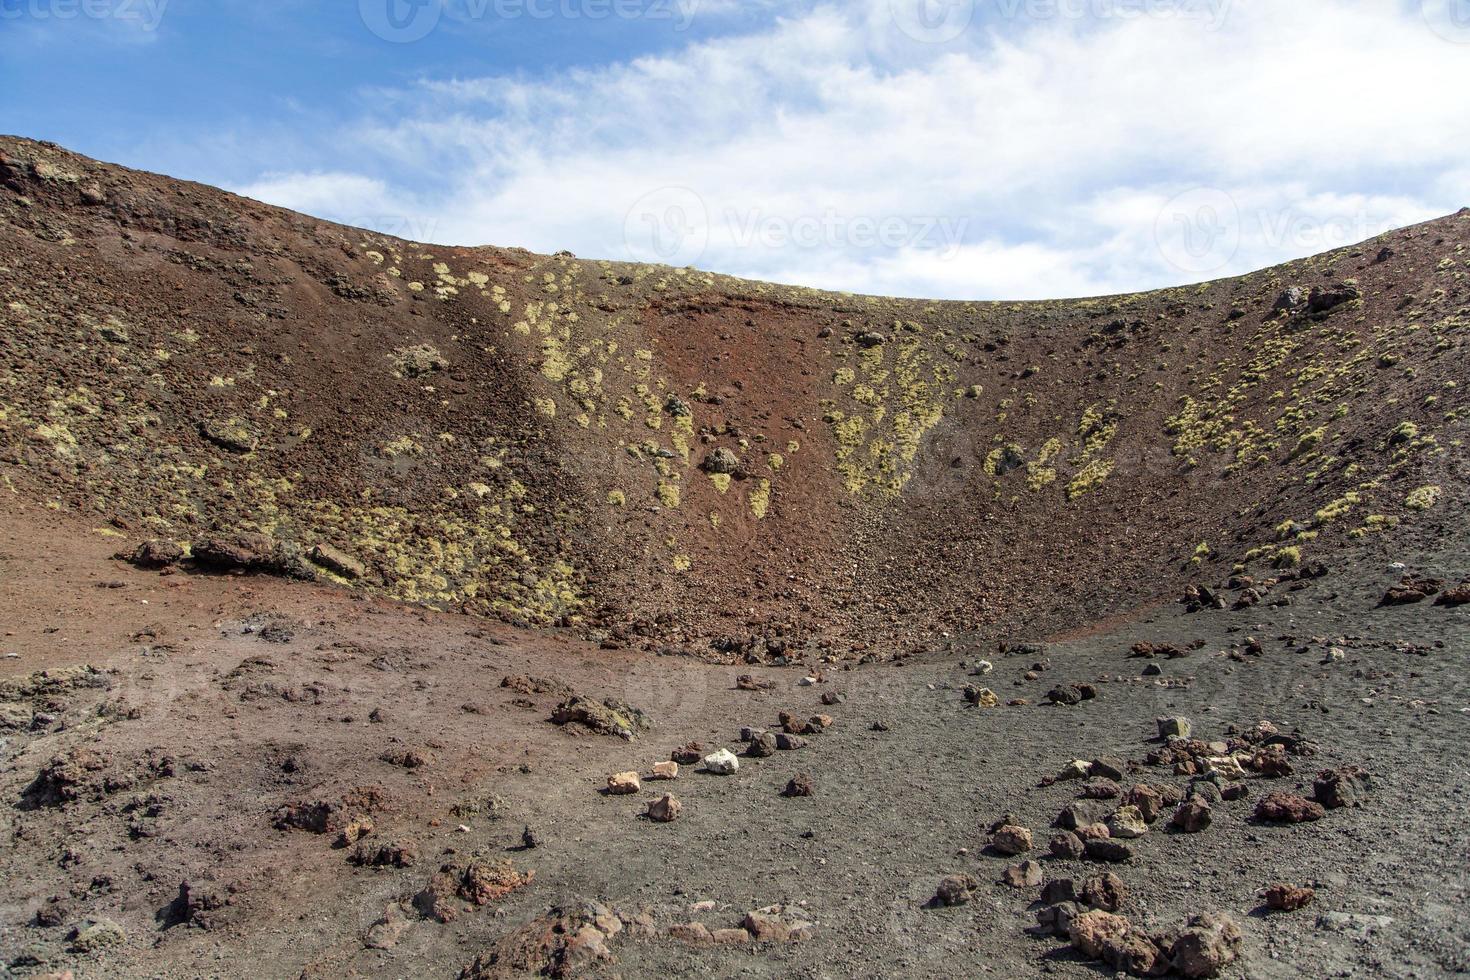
993	149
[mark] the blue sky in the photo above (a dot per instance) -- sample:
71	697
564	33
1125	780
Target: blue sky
945	148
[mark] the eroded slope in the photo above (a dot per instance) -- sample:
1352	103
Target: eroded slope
535	437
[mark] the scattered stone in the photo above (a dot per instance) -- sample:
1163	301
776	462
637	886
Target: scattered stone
745	682
153	553
1059	890
1091	930
665	770
981	697
1105	891
1027	874
1136	954
722	461
611	717
1282	807
1454	598
1107	768
665	809
762	746
774	924
1100	789
1067	846
799	785
1010	839
1108	850
693	933
1174	727
1271	761
688	755
93	935
1191	816
722	763
1321	302
1127	823
1149	801
954	890
567	941
789	743
1064	696
623	784
1076	769
388	854
356	830
1336	788
530	840
833	697
1283	897
1207	945
1353	922
1082	813
1056	919
1411	589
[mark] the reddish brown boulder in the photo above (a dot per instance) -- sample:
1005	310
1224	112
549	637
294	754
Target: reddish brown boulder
1105	891
1092	930
1287	808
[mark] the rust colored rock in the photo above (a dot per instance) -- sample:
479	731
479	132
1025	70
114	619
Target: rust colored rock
1105	891
1283	897
1191	816
1092	930
623	784
799	785
665	809
1150	802
1136	954
1288	808
1207	945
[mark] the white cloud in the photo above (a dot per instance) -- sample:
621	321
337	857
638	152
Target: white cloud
1059	146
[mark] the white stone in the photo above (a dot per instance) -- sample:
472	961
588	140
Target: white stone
722	763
